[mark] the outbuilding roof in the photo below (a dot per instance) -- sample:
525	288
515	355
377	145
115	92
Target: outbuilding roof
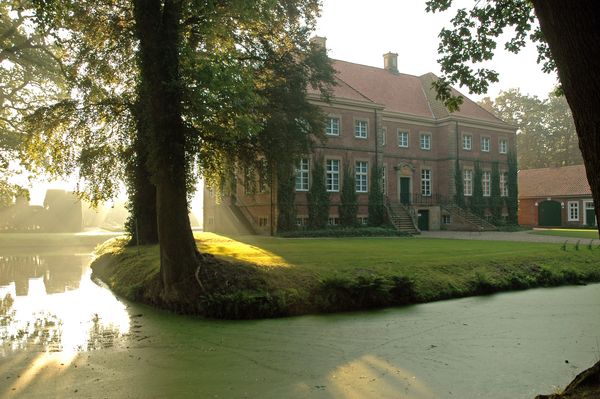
562	181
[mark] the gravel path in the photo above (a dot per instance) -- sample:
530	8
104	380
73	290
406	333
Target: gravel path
502	236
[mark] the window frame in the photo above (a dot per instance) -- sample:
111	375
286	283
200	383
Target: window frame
502	142
504	184
470	141
332	177
488	140
361	177
429	141
328	125
465	180
300	174
486	183
570	209
358	131
383	138
401	133
426	182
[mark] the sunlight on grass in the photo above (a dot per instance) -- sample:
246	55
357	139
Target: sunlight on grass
227	248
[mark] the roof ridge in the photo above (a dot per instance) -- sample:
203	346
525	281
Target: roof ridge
378	68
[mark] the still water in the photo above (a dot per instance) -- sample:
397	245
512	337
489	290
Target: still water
61	335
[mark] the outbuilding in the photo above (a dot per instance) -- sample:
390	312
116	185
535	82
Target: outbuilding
556	197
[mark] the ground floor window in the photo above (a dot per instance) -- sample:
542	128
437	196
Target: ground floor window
263	222
333	221
446	219
363	220
301	221
573	211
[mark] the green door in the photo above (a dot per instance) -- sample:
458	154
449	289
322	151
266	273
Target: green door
423	220
549	214
405	190
590	217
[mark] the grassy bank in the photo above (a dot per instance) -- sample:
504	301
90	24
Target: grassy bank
251	277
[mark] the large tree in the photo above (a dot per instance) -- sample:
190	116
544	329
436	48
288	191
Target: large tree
545	129
566	35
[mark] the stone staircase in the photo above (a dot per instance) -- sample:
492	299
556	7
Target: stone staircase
401	218
478	223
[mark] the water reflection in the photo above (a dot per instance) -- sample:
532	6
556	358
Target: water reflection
49	304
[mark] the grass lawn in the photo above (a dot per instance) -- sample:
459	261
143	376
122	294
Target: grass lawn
574	233
270	276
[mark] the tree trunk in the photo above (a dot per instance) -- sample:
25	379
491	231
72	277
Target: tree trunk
572	31
157	27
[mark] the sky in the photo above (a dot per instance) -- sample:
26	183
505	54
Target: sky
361	32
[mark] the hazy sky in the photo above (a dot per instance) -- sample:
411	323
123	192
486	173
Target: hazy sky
361	32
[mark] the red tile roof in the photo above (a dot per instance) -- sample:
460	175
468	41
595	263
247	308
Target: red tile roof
398	92
554	182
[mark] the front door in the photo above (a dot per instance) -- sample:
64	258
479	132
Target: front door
405	190
590	217
423	220
549	214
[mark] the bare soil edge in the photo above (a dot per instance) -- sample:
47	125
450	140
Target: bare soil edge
585	386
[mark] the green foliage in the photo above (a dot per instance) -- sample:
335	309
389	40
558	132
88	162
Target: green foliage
318	197
471	42
546	131
495	198
477	204
459	187
348	208
286	194
376	198
513	194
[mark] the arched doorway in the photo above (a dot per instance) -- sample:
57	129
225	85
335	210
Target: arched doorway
549	214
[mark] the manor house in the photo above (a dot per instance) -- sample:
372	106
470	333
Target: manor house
378	116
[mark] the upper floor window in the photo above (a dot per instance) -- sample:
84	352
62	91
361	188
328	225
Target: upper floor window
485	144
468	182
486	183
302	172
332	175
425	139
467	141
426	182
332	126
360	128
504	184
503	146
402	139
383	180
361	173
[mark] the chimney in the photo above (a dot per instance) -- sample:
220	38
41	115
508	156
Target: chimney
390	62
319	42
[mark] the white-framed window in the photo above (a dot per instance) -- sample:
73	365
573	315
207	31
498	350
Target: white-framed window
383	180
503	146
333	221
302	173
468	182
363	220
301	221
249	181
402	138
383	138
485	144
361	127
361	173
467	141
425	139
504	184
486	183
446	219
573	208
332	126
426	182
332	175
